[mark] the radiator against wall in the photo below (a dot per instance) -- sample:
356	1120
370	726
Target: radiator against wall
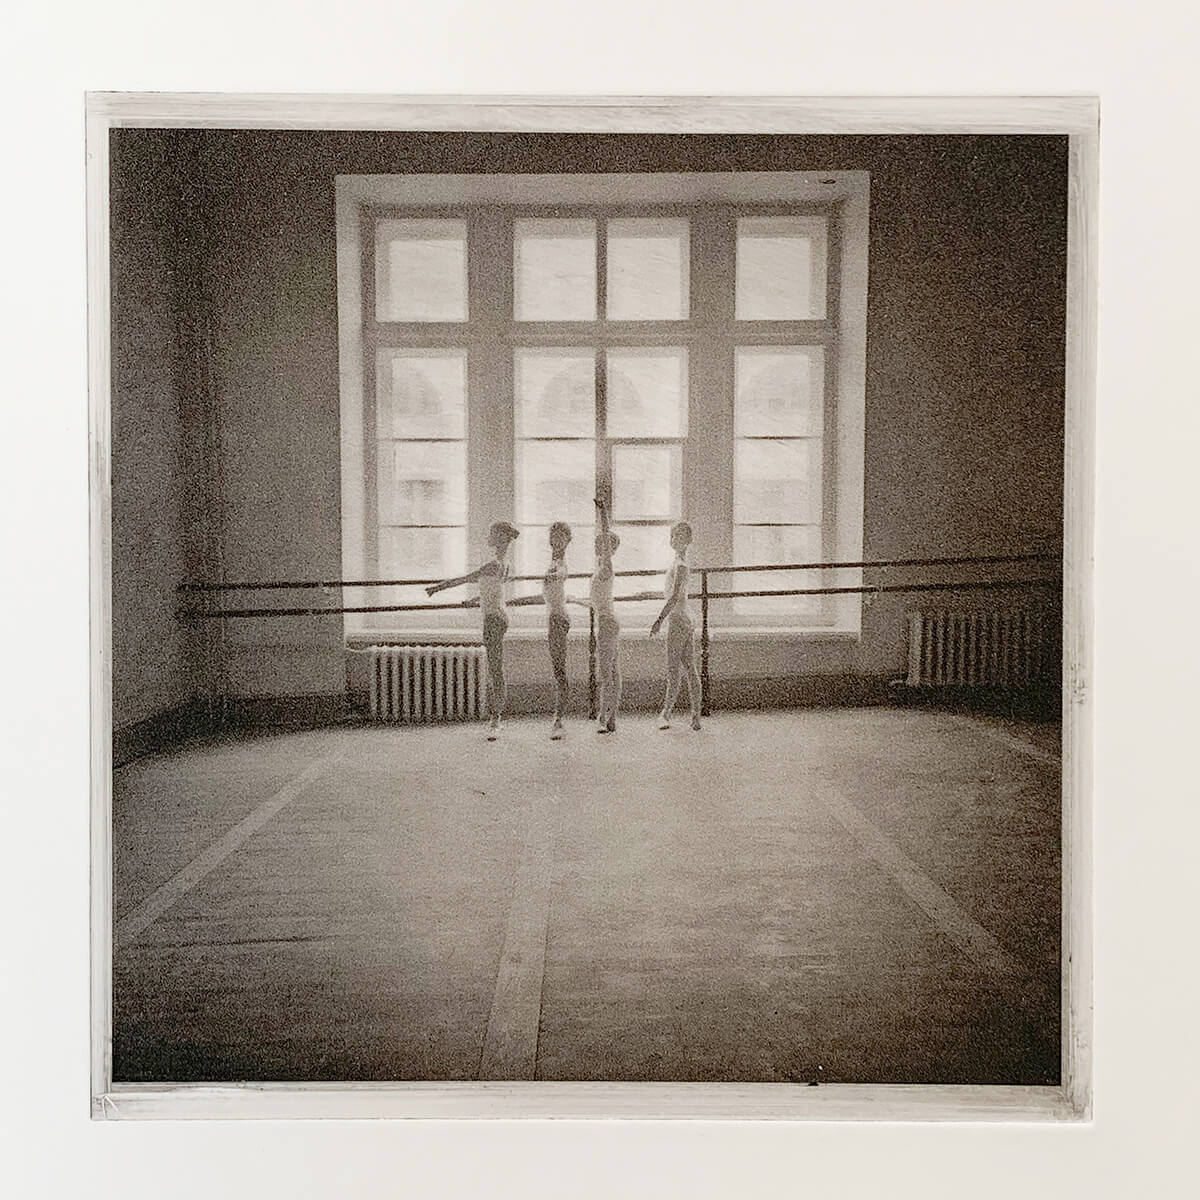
986	648
427	683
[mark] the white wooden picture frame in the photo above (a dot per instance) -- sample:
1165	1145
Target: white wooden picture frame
1075	117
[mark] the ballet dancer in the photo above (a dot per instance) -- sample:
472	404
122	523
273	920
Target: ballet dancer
558	621
681	630
608	629
491	577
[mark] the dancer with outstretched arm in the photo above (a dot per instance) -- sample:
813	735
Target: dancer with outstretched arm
491	578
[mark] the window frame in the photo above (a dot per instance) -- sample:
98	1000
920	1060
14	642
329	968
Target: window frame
491	325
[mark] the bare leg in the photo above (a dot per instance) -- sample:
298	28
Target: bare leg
615	702
493	641
693	683
558	663
674	679
678	643
605	704
608	642
681	659
604	664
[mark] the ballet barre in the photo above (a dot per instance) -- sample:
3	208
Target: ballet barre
706	595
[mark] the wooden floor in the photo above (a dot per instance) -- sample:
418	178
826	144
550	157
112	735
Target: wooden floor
843	896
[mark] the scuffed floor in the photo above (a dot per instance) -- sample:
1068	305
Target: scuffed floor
868	895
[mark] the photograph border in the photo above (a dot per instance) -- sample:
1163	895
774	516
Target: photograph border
1076	117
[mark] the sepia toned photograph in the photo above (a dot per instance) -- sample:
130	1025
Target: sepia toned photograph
583	607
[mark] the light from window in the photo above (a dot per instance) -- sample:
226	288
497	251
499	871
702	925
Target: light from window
601	406
778	422
554	268
420	554
646	483
647	392
555	481
422	483
555	392
762	544
421	270
421	467
774	481
421	393
647	269
780	268
642	548
780	391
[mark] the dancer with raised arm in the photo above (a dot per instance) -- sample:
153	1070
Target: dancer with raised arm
681	630
608	629
491	577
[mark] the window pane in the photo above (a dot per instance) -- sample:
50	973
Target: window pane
782	544
647	392
422	483
779	391
775	481
422	554
780	268
421	270
556	393
533	557
647	269
556	482
642	548
422	393
646	482
554	264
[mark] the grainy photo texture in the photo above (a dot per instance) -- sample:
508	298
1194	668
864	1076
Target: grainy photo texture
586	607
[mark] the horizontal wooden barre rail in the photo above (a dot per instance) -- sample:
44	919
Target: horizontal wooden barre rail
312	584
953	586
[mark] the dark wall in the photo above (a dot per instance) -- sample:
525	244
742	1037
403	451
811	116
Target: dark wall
964	405
153	521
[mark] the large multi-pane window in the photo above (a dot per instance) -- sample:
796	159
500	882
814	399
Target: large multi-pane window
676	360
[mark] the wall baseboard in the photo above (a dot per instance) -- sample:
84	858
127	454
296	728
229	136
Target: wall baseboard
1039	702
286	712
646	695
243	714
789	691
160	732
198	719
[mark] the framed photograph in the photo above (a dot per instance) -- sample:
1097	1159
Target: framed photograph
591	606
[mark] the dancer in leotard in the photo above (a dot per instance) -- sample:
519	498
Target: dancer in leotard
608	629
681	630
558	623
491	577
